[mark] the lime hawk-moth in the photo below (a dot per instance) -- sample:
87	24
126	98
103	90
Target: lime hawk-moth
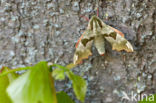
97	32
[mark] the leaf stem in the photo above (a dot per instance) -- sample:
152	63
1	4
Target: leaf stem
71	65
66	68
13	70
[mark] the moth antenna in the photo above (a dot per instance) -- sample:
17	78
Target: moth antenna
98	11
86	18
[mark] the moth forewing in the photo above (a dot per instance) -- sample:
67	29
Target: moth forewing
107	32
120	43
117	31
130	47
87	36
82	52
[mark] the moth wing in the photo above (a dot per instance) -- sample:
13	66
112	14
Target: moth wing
82	52
83	46
87	36
117	31
107	31
120	43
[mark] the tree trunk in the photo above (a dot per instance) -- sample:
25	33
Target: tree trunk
36	30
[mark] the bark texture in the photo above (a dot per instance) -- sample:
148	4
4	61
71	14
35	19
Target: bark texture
36	30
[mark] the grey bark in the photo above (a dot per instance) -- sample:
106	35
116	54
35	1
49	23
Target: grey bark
36	30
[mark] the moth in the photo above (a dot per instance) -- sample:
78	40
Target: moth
96	33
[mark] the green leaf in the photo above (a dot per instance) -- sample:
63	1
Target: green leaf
11	76
79	86
149	99
60	67
62	97
4	82
58	74
34	86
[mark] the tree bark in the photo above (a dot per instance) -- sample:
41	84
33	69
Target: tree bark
36	30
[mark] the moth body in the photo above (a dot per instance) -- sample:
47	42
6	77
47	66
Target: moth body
100	44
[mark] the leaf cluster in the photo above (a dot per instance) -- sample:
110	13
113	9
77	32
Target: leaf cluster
36	85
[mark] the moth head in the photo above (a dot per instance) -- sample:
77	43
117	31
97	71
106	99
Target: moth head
95	23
